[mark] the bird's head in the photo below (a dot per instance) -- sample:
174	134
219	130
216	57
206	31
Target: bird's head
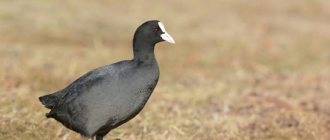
153	31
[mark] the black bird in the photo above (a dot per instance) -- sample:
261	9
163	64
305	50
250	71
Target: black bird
109	96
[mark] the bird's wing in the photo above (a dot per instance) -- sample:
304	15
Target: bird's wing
75	88
91	79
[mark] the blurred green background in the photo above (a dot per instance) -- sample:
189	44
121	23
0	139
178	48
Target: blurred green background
240	70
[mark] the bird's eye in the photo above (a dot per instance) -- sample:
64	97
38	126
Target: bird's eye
155	29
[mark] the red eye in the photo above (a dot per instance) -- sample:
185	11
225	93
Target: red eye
155	28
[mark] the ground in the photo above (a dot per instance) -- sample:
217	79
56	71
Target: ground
240	70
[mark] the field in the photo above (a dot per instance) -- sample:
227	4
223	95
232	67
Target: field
240	70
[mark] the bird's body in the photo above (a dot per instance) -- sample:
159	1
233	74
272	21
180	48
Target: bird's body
109	96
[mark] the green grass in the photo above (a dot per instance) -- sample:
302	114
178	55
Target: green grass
241	70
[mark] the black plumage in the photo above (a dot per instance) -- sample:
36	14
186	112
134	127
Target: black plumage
109	96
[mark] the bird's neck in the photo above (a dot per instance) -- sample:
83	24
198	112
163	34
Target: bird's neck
144	52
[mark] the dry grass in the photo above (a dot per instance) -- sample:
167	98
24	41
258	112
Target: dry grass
241	70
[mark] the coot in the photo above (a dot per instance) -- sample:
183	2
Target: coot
109	96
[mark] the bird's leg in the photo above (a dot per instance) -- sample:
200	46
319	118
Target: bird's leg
99	137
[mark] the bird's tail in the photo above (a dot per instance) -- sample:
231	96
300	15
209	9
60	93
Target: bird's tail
49	101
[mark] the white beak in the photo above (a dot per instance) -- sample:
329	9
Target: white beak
167	37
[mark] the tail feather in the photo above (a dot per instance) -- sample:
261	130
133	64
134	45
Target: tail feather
49	101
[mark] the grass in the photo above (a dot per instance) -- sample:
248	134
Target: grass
241	70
